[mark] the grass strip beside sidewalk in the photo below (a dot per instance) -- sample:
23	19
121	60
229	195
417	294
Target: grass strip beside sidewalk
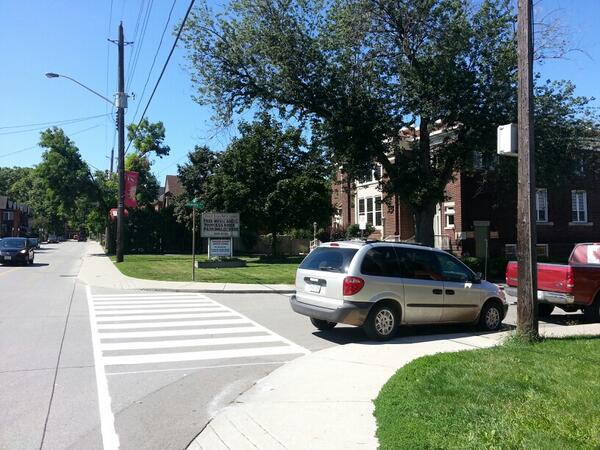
179	268
534	396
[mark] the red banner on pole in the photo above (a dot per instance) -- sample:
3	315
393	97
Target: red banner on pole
131	181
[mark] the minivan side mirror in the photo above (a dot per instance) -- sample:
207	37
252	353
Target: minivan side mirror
477	278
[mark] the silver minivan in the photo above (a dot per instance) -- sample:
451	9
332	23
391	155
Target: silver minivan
381	285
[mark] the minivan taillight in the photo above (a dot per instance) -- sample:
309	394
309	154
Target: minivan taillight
353	285
570	278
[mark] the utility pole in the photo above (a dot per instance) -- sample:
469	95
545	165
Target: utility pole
527	318
121	105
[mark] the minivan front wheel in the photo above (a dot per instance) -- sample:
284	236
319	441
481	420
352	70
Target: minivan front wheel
382	323
322	325
491	317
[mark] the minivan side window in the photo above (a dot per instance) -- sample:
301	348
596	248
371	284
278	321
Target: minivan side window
329	259
452	269
418	264
380	261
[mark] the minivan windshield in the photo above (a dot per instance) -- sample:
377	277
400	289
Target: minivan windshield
12	243
329	259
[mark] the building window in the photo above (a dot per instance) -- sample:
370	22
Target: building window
449	214
371	207
579	206
8	215
376	175
541	205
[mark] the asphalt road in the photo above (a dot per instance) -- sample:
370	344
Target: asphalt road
155	366
136	359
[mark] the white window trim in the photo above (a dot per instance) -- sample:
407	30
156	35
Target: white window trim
373	212
537	205
449	206
585	210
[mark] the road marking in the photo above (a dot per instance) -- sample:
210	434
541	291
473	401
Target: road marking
105	311
128	319
173	333
188	343
156	296
198	356
152	302
179	332
110	439
179	369
190	323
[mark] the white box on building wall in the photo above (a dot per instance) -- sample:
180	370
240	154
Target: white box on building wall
507	139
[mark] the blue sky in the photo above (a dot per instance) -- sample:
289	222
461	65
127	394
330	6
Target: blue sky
70	37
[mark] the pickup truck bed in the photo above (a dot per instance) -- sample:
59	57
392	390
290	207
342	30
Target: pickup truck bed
571	287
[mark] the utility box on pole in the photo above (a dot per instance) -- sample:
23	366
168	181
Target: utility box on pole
507	143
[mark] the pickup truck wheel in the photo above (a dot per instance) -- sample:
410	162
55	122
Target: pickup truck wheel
545	309
592	313
490	318
382	322
322	325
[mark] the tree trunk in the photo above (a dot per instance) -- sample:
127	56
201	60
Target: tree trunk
424	224
274	244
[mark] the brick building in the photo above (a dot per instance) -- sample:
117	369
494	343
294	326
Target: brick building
479	213
14	218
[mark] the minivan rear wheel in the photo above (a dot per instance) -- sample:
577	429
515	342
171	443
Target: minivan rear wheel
322	325
382	323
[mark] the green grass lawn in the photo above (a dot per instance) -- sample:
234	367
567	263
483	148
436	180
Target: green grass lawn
517	396
179	268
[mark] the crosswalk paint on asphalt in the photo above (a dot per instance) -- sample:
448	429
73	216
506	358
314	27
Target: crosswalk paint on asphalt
167	328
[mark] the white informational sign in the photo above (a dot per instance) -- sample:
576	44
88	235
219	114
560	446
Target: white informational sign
362	222
219	248
220	225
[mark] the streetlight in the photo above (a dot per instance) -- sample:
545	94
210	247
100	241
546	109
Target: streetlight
120	103
57	75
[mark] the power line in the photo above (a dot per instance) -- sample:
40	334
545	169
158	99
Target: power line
36	145
135	33
154	60
54	122
138	51
162	72
107	73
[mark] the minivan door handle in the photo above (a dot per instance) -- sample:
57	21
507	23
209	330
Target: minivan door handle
437	291
449	292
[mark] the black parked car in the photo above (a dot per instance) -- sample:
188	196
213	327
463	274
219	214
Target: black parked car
35	242
16	250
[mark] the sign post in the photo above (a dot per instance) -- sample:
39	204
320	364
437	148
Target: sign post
194	204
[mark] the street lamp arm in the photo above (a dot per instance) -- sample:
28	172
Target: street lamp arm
54	75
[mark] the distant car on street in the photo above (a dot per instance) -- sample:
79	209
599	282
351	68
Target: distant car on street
52	239
16	250
381	285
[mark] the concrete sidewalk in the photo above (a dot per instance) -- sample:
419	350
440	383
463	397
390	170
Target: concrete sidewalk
325	400
98	270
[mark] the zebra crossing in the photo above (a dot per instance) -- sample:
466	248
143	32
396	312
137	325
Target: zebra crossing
161	330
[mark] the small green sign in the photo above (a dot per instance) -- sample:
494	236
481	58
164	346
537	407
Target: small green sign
195	204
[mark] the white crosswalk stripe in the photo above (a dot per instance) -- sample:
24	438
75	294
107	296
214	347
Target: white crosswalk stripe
168	328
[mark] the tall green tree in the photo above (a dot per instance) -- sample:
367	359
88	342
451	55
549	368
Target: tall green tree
194	176
63	179
269	176
359	71
148	139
